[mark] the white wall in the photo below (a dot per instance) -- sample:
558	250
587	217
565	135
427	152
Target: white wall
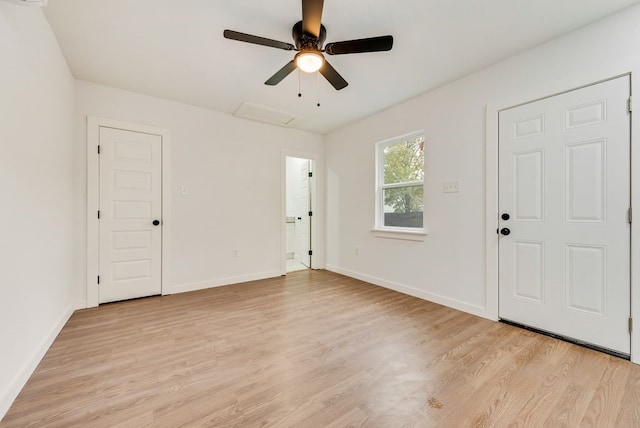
449	266
36	215
232	170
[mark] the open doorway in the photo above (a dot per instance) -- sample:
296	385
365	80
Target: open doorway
299	213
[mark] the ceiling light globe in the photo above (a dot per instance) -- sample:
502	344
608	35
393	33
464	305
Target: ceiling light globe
309	62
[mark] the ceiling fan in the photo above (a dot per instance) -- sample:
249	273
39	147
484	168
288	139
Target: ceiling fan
309	36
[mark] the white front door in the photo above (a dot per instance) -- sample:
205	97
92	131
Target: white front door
564	195
130	214
303	225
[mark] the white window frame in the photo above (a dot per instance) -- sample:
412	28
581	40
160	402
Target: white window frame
380	230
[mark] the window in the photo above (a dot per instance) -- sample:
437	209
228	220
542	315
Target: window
400	184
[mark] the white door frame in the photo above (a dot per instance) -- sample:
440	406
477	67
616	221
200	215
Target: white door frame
93	196
317	259
491	182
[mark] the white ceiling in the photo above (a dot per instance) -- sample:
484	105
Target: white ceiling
174	49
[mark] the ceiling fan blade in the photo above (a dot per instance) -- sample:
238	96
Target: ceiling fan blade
333	76
372	44
281	74
312	16
242	37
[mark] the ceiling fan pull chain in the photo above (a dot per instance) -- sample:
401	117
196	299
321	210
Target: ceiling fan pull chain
299	91
318	86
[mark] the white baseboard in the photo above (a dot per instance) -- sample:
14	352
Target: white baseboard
194	286
421	294
9	394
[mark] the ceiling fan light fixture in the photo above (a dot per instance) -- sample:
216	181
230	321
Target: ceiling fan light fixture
309	61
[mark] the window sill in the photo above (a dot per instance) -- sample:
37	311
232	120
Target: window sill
407	235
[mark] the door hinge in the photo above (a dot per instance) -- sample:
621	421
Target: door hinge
98	279
310	174
630	105
629	215
98	148
98	213
310	253
630	324
310	213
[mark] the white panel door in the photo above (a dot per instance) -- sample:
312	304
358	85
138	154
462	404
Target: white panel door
130	214
564	182
303	226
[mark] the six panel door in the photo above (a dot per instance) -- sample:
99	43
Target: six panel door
564	195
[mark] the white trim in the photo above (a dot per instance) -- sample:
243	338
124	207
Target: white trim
420	294
635	231
10	393
93	192
491	214
317	204
407	235
607	72
220	282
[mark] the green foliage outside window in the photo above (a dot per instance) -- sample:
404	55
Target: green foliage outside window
404	163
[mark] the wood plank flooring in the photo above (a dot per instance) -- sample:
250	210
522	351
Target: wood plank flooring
316	349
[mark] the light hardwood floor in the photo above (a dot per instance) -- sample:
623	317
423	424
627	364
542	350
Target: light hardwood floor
316	349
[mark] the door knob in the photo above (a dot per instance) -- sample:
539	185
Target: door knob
505	216
505	231
156	222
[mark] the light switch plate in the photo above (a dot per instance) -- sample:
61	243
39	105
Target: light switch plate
452	187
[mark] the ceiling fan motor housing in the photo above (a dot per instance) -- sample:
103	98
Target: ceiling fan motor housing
308	41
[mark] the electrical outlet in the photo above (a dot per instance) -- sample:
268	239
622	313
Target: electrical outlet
451	187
